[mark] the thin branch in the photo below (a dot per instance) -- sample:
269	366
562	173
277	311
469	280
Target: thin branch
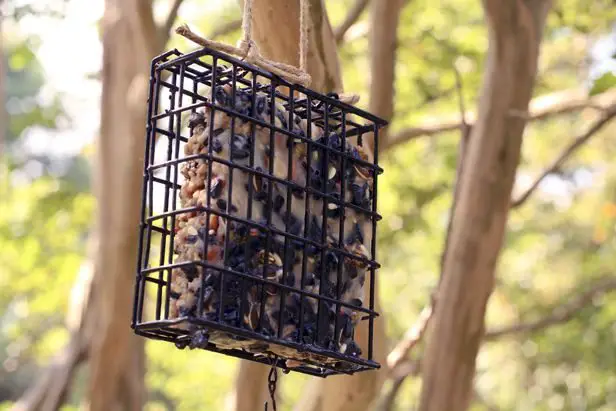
566	153
172	15
50	389
391	389
540	108
465	133
226	28
410	339
350	19
560	314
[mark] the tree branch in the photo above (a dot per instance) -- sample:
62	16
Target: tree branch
384	19
225	28
392	388
540	108
50	389
350	19
170	20
566	153
560	314
411	338
515	28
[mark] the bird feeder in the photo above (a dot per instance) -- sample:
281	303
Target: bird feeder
258	218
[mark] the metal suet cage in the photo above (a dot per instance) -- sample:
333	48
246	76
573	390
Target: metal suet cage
258	218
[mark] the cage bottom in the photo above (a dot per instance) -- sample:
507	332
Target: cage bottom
228	340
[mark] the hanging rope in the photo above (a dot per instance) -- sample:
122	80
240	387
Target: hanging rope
247	49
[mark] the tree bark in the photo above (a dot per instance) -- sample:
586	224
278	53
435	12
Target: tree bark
283	15
384	19
492	155
100	312
130	39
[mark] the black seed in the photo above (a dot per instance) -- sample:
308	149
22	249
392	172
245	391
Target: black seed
187	312
220	96
216	188
261	196
351	271
314	231
353	349
331	261
238	154
346	326
356	302
230	315
210	279
309	280
282	118
297	192
290	279
294	224
356	235
242	230
174	295
278	203
191	272
333	95
260	104
216	145
218	132
190	239
195	119
221	204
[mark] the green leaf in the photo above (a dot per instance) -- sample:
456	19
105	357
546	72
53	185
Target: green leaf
603	83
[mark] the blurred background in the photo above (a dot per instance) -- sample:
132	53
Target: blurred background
551	321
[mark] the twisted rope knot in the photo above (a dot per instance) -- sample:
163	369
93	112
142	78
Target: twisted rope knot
250	51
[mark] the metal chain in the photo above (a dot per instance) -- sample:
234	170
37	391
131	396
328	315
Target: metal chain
272	379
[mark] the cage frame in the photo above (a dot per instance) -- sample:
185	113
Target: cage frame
161	329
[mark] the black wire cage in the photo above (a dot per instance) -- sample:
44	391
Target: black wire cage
258	218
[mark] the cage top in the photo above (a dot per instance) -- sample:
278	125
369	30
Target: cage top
174	58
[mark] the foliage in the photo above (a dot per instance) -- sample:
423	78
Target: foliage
558	242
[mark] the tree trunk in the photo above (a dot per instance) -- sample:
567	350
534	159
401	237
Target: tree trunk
130	40
492	154
99	318
384	19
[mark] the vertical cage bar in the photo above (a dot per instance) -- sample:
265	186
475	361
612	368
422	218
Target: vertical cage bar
251	164
148	130
373	242
300	337
229	193
208	214
341	240
324	174
289	216
269	199
150	189
178	131
163	243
